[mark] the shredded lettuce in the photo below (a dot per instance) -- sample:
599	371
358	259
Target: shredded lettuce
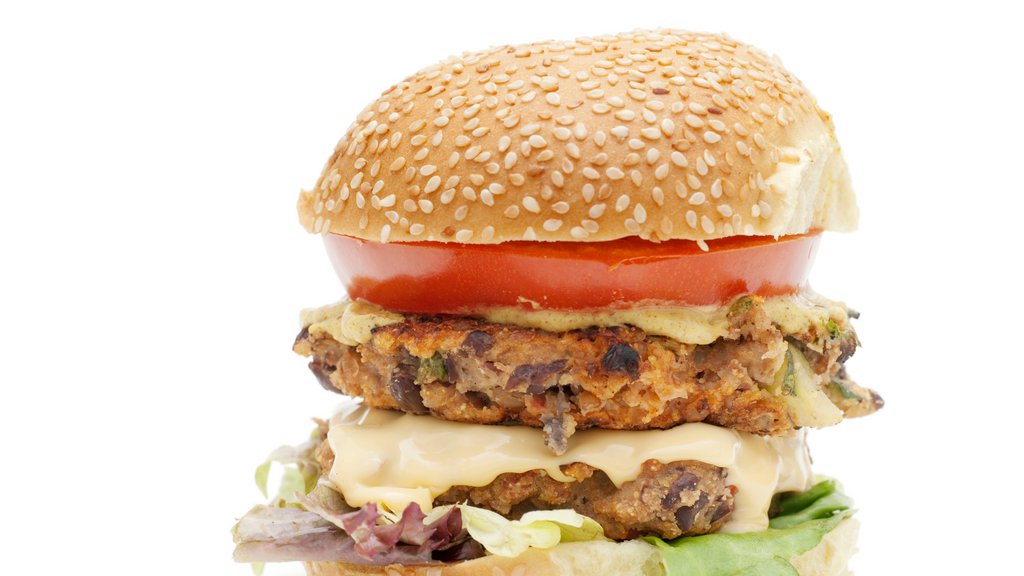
538	529
804	519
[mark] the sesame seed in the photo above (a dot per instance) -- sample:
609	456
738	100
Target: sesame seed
716	188
447	196
392	215
531	204
759	140
537	141
661	172
650	133
635	144
556	178
428	169
460	213
717	125
487	197
708	227
560	207
614	173
691	218
578	232
398	164
388	201
694	121
590	173
469	194
385	232
529	130
652	156
486	234
375	202
512	211
702	167
552	224
620	131
696	199
639	213
599	138
553	99
766	209
678	159
463	235
711	137
622	203
616	102
625	115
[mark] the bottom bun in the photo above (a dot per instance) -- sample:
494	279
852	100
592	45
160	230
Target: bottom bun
630	558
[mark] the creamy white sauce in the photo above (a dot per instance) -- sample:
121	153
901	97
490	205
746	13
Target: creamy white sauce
351	323
397	458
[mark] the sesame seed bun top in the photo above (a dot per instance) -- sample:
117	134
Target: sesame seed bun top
658	134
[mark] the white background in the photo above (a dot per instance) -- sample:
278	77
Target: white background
153	268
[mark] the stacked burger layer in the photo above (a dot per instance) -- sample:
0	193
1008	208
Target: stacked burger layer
578	336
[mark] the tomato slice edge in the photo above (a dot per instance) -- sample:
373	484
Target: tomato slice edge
434	277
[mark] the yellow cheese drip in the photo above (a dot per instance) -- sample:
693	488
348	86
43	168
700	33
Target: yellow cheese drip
398	458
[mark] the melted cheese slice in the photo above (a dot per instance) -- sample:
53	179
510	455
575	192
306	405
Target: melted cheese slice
352	323
398	458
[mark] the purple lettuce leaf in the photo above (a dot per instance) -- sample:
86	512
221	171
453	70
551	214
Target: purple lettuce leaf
330	530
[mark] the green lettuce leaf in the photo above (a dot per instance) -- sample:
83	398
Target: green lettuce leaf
301	470
538	529
804	520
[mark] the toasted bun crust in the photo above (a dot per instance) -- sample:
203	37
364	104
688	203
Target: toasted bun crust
631	558
658	134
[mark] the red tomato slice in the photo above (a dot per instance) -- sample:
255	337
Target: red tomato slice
436	277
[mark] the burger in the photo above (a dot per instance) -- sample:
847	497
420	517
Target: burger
578	336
